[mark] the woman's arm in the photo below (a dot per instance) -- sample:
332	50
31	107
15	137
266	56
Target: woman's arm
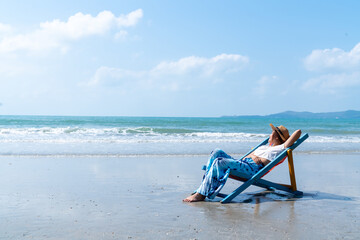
295	136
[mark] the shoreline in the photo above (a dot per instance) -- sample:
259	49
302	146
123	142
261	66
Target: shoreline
176	155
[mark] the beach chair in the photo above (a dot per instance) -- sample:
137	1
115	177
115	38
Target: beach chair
256	178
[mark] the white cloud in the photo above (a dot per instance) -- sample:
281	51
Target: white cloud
339	70
130	19
201	65
56	33
12	66
175	75
332	83
113	76
333	59
5	28
121	34
266	84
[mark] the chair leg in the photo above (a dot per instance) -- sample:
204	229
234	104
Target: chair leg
291	170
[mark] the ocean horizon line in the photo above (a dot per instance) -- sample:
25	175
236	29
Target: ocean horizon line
287	113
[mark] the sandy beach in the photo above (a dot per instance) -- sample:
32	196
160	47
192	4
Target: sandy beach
141	198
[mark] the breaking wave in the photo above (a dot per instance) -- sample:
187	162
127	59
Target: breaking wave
142	134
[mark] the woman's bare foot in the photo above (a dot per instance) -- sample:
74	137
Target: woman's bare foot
197	197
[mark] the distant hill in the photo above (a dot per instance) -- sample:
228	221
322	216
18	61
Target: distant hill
350	114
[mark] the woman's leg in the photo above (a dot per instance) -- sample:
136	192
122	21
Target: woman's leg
215	177
217	153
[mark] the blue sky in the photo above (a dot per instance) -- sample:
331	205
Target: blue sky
178	58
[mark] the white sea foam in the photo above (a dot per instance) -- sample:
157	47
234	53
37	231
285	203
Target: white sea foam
334	139
141	135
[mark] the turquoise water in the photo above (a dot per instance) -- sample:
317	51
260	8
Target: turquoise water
67	135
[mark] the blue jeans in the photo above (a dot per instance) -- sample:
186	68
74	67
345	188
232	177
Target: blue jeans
217	170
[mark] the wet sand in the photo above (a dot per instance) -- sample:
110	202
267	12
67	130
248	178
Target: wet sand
141	198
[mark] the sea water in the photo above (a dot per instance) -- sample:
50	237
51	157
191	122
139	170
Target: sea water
136	136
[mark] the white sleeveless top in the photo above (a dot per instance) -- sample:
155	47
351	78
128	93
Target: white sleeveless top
269	152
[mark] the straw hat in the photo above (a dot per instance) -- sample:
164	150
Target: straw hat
282	131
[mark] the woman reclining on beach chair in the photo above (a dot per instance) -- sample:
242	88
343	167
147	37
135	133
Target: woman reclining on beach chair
219	162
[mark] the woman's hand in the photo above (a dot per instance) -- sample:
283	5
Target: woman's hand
295	136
